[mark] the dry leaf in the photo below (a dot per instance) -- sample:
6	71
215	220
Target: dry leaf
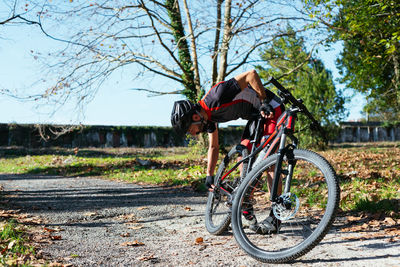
199	240
11	244
389	221
55	237
125	235
146	257
135	243
137	227
51	230
219	243
375	223
353	218
188	208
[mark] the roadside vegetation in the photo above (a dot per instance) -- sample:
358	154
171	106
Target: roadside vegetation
369	180
14	244
369	173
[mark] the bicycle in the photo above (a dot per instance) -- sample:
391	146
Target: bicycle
229	176
307	206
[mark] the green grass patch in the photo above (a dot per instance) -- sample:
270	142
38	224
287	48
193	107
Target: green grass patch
152	166
369	173
13	244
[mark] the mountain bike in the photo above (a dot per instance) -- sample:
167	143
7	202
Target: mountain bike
232	172
304	194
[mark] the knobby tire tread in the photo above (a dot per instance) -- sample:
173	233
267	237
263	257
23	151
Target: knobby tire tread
218	230
236	209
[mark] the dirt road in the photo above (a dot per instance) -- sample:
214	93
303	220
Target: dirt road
110	223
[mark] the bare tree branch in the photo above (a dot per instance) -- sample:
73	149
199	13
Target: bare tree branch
158	93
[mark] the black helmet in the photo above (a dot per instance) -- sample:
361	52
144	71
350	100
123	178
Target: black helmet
181	116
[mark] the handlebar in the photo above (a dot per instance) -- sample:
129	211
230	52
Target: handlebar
287	97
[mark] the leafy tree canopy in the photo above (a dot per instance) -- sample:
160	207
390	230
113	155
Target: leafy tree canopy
369	63
311	81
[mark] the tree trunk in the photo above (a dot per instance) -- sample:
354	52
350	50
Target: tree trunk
216	44
183	49
199	92
225	41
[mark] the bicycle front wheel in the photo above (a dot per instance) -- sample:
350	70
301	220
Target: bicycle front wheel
218	209
306	212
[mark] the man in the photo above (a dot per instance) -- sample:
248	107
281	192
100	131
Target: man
239	97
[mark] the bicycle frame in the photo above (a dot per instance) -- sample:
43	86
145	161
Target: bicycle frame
275	142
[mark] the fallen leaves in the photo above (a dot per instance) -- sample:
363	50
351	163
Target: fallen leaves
135	227
135	243
199	240
365	227
366	163
22	237
149	257
55	237
129	218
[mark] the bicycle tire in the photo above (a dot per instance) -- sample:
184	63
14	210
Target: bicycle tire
218	217
317	187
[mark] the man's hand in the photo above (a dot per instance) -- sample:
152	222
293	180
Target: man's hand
266	110
209	183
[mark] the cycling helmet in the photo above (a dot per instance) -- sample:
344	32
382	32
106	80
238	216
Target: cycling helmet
181	116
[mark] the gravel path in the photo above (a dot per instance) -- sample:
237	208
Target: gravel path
109	223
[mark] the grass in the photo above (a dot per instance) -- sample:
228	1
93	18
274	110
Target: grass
13	244
155	166
369	173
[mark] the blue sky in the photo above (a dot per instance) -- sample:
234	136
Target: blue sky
115	102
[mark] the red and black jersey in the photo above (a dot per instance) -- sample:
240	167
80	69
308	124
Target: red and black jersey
226	101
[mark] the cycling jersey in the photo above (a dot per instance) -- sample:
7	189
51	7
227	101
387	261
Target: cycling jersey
226	101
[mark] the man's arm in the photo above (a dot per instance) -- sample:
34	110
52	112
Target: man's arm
251	77
213	151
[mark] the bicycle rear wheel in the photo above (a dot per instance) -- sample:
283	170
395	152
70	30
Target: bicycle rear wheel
218	209
306	213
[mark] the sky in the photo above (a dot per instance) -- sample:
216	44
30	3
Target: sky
115	103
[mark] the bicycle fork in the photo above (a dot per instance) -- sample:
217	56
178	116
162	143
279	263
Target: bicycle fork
282	152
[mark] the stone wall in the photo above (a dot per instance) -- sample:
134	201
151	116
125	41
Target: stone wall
367	132
27	135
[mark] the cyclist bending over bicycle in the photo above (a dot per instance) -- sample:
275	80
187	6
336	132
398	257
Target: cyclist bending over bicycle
239	97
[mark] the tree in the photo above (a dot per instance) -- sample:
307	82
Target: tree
311	81
15	17
369	62
194	44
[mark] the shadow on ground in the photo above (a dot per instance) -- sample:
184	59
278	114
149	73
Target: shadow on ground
59	194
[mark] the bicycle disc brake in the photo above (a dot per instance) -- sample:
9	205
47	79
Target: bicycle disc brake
287	206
